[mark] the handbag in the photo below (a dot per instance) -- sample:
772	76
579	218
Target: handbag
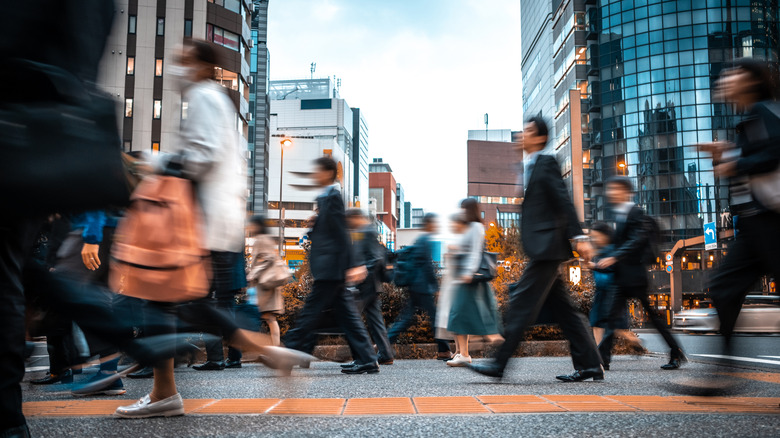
487	268
59	142
269	274
765	187
158	252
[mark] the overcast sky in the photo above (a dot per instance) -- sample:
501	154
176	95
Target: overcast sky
423	71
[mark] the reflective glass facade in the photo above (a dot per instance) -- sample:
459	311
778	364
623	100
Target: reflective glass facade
651	69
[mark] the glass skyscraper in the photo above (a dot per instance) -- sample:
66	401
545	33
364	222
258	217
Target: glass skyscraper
652	67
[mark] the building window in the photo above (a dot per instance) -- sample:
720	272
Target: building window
226	78
128	146
157	110
160	26
156	147
129	107
131	65
188	28
131	22
224	38
158	67
184	106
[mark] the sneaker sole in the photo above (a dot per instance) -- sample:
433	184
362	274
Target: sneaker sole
173	413
106	392
458	365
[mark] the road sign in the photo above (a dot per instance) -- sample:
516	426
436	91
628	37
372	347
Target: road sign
668	257
669	268
669	263
710	236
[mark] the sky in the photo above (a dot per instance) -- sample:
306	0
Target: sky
424	72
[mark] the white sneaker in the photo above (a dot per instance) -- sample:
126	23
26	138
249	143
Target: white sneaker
459	361
144	408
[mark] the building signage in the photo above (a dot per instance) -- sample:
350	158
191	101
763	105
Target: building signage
710	236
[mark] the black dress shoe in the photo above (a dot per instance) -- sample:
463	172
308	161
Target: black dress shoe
15	432
370	368
385	361
50	379
489	369
143	373
606	367
210	366
232	363
677	357
348	365
580	375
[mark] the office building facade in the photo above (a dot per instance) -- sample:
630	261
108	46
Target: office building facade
258	136
360	158
492	177
147	38
382	188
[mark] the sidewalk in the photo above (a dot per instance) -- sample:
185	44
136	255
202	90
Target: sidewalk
412	391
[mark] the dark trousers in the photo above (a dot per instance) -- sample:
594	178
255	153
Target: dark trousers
618	308
214	350
417	302
753	254
605	347
539	286
16	240
331	295
371	308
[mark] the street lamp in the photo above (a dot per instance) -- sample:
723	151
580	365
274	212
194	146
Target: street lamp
622	167
283	144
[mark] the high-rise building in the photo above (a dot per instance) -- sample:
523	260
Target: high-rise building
145	41
417	217
400	204
317	122
407	218
536	59
360	158
259	103
492	176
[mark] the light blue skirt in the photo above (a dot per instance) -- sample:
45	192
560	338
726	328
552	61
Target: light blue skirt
474	310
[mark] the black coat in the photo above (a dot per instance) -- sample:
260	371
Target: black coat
368	252
425	281
331	252
632	244
549	220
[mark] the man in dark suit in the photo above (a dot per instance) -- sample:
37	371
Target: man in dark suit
330	262
423	288
368	256
549	222
633	252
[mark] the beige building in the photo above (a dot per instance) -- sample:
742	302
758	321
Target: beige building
147	37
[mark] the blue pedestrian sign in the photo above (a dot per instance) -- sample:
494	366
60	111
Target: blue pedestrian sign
710	236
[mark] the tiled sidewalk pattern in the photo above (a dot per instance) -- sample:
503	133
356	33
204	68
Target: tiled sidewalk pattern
486	404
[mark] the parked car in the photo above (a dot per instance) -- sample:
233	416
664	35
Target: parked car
760	314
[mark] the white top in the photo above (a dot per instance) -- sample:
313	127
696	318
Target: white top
214	159
472	245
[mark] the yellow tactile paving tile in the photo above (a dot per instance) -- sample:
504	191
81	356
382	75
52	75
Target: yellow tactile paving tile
449	405
309	406
489	399
761	377
239	406
379	406
485	404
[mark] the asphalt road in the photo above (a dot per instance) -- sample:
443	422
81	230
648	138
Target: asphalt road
758	351
630	375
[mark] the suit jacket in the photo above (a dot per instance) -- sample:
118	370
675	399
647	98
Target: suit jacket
368	252
631	242
548	219
425	281
331	252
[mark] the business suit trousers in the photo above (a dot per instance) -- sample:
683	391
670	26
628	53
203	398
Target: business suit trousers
752	255
541	285
618	308
326	294
417	302
214	349
371	307
16	241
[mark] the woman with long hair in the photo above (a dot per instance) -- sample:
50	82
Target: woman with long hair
269	299
474	310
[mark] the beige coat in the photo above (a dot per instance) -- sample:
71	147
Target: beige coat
264	251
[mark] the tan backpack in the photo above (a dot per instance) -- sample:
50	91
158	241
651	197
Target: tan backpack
158	252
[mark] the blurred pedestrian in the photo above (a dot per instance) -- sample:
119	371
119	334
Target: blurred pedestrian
633	252
368	256
751	166
330	260
474	309
601	238
548	226
423	289
265	254
208	153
